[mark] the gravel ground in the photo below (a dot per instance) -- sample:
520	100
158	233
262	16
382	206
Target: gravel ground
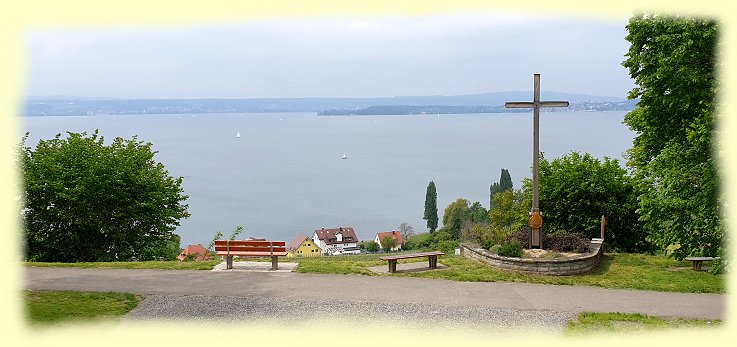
167	307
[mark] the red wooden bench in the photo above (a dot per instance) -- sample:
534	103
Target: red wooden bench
432	258
251	248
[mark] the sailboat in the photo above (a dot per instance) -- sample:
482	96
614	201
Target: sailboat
238	135
344	156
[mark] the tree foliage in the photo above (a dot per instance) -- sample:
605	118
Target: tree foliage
387	243
504	184
431	207
371	246
455	216
577	189
673	61
406	231
87	201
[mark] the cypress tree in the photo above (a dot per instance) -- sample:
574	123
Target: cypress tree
505	183
431	207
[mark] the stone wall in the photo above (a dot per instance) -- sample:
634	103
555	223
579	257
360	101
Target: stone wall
563	266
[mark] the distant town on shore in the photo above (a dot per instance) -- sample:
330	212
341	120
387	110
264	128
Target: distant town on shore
401	105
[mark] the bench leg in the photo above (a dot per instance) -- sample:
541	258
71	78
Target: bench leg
274	262
393	266
697	265
433	260
229	262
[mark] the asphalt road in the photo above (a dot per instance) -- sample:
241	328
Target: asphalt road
367	293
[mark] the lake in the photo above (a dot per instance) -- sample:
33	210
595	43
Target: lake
285	174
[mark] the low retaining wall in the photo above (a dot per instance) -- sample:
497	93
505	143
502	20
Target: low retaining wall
565	266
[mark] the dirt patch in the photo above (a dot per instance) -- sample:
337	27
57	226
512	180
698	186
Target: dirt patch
542	253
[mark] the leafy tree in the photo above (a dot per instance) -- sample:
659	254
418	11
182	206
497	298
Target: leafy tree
577	189
87	201
406	231
431	207
673	61
504	184
211	246
372	246
455	216
478	214
509	213
387	243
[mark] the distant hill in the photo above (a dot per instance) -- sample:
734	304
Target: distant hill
70	105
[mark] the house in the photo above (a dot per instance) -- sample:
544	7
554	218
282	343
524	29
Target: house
201	252
393	234
303	246
337	241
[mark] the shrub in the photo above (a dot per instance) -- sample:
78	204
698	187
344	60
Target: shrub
522	236
488	244
447	246
566	242
495	249
512	249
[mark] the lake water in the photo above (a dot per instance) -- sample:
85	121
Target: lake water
285	175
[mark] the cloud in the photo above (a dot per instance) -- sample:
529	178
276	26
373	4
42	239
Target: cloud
332	56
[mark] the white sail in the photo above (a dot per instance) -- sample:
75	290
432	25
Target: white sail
238	135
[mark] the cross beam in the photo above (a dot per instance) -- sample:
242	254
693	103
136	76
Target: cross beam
536	104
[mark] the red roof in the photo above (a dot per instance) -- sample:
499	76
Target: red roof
202	252
329	235
393	234
297	242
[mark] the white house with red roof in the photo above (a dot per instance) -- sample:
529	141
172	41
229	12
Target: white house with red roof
396	235
337	241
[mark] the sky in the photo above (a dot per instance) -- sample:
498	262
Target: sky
379	56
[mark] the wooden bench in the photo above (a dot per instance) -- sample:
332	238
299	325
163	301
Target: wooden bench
697	261
431	256
251	248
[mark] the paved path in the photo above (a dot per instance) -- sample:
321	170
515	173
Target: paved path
378	289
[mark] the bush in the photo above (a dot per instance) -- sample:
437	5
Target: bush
488	244
512	249
446	246
522	236
566	242
495	249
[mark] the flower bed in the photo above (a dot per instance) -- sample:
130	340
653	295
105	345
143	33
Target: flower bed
569	265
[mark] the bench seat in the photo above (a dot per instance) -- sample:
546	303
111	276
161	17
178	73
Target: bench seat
698	261
432	258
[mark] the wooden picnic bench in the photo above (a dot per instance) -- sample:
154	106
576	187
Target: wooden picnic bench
431	256
251	248
698	261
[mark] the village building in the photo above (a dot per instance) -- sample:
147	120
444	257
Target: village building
201	252
303	246
396	235
337	241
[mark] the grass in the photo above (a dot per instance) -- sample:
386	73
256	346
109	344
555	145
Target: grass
618	323
617	270
44	308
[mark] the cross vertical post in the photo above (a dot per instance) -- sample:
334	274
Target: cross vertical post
535	215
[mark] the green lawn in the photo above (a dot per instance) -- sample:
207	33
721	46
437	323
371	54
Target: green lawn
45	308
617	270
597	323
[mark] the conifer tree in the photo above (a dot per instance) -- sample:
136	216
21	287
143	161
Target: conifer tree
504	184
431	207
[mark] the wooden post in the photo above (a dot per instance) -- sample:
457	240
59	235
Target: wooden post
603	223
535	215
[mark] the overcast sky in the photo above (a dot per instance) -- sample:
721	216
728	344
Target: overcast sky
448	54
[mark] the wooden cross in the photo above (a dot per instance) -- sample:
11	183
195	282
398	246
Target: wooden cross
535	216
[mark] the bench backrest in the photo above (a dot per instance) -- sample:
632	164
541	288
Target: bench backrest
225	246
